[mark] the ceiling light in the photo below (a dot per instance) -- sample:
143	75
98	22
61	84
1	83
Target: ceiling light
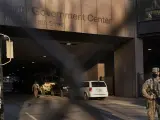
23	67
44	56
149	49
33	62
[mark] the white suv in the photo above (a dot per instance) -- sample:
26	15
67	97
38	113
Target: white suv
94	89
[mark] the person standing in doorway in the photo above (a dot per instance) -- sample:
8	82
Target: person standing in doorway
151	91
35	89
100	78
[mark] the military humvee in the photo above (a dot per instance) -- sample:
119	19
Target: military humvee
46	83
46	87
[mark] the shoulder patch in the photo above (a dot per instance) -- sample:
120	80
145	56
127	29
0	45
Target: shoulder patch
149	81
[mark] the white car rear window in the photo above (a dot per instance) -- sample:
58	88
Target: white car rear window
98	84
85	84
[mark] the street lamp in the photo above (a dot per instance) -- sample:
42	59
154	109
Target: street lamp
9	49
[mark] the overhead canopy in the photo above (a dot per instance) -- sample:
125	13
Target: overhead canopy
29	54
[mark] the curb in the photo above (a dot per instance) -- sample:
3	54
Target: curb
118	114
111	107
122	103
125	99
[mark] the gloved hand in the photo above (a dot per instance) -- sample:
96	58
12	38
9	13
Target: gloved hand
152	97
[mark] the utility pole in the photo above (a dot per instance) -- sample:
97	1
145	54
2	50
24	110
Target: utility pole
1	82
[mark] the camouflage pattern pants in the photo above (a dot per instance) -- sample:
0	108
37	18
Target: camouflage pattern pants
36	93
152	109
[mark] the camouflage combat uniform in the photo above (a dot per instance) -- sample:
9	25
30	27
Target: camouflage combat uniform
149	86
35	89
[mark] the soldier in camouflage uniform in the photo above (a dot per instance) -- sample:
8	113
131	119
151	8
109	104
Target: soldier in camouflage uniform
151	91
35	89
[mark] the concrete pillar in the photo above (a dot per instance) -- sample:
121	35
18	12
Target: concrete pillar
95	72
128	61
109	73
101	70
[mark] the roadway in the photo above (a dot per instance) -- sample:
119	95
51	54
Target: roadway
26	107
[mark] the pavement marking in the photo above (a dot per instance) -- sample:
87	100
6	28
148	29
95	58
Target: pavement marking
31	116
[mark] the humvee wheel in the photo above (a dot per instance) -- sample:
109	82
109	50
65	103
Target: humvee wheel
52	93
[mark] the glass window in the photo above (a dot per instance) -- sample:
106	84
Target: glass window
98	84
85	84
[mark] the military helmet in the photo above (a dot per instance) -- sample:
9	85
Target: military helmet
155	70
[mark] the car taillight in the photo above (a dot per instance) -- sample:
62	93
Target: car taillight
90	89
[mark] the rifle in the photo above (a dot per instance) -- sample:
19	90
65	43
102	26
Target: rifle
157	98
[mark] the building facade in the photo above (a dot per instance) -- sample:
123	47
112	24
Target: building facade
112	18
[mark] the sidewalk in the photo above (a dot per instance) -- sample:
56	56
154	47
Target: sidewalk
127	108
137	102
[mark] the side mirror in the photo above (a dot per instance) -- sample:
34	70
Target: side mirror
9	49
